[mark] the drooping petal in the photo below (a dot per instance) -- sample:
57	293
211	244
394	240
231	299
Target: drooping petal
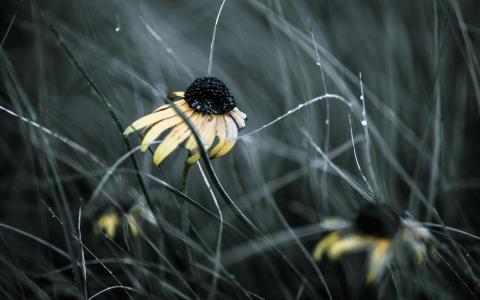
145	121
153	118
378	259
191	143
208	133
193	158
178	134
349	244
221	133
238	119
157	130
176	94
325	244
240	113
232	135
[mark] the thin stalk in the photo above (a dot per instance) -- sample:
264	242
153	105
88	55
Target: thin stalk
210	58
186	222
183	189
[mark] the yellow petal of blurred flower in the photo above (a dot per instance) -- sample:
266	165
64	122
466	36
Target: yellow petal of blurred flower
108	223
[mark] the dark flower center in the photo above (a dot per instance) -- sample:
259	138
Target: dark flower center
378	220
209	95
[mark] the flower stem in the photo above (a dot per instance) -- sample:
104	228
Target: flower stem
183	188
185	220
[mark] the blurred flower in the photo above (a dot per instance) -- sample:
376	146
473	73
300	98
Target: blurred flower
108	222
138	213
211	108
378	230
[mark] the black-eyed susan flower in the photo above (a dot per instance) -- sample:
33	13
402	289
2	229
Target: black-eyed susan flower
108	222
211	108
378	230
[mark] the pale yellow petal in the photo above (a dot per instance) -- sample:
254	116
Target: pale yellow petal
128	130
221	133
178	134
193	158
239	120
133	225
378	259
325	244
207	132
162	107
191	143
108	223
144	121
170	143
232	135
240	113
157	130
228	146
349	244
153	118
176	94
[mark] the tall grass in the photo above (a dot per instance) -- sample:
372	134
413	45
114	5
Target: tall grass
348	102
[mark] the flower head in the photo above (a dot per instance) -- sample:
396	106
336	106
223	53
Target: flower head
211	108
209	95
108	222
377	220
378	230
